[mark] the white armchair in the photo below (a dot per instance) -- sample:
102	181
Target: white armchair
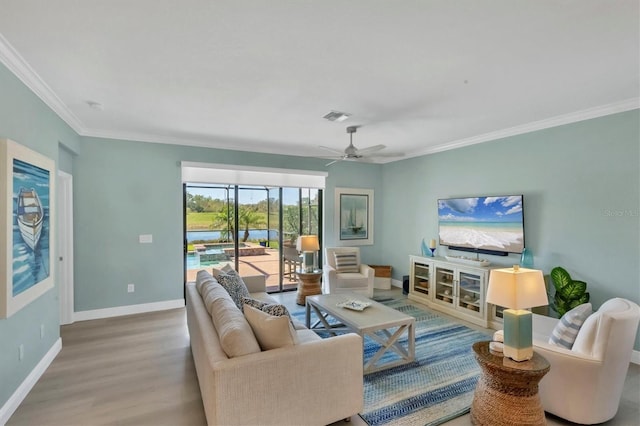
584	384
335	281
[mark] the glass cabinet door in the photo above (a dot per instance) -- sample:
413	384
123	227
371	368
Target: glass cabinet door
445	291
421	278
470	296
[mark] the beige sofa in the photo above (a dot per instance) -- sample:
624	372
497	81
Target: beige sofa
315	382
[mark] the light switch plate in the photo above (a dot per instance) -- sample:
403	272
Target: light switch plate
146	239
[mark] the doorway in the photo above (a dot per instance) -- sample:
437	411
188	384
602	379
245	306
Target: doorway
65	246
252	228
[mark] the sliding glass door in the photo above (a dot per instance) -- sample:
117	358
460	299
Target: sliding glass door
253	228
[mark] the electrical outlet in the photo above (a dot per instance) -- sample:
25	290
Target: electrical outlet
42	331
131	288
20	352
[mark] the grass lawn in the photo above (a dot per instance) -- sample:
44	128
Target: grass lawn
200	221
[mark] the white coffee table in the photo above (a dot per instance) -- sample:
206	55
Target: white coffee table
382	324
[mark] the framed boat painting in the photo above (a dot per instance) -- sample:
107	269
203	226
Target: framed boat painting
27	189
354	216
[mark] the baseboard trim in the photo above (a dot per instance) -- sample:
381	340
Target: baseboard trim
127	310
29	382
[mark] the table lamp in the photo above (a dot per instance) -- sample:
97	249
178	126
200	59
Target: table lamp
517	289
308	245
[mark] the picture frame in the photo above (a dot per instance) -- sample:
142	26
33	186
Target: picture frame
354	216
27	215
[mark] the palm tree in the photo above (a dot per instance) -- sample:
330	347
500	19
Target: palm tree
247	218
224	220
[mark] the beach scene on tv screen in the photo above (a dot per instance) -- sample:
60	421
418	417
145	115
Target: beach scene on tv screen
486	223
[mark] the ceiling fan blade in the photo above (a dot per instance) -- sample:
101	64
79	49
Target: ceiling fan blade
335	151
370	149
332	162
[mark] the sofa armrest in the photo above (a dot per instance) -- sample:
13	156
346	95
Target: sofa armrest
282	386
255	283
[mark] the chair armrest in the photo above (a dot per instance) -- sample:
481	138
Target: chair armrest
255	283
329	367
330	277
367	270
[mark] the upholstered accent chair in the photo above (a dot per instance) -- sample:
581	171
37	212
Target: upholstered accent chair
344	272
585	383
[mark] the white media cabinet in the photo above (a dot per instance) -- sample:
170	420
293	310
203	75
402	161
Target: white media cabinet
453	288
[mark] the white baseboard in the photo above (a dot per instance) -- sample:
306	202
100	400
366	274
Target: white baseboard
127	310
12	404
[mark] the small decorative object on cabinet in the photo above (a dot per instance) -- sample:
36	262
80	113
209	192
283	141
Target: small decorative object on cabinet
450	287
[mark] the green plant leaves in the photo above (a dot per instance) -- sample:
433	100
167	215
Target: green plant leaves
560	277
569	293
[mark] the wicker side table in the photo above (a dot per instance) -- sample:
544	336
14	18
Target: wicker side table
507	391
308	284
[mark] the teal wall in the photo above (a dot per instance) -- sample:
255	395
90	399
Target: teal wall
581	186
25	119
123	189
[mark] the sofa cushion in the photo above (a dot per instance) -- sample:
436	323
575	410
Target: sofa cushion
235	333
272	332
347	262
566	330
202	277
232	282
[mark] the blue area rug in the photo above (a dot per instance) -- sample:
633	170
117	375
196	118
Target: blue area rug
437	387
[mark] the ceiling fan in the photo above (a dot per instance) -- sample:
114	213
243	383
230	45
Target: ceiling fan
351	153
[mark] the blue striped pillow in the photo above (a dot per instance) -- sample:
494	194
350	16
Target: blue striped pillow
347	262
566	331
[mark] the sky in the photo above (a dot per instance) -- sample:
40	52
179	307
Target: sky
485	209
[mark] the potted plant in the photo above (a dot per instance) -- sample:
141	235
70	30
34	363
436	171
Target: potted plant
569	292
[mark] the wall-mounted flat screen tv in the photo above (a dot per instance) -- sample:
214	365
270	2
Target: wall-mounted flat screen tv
491	225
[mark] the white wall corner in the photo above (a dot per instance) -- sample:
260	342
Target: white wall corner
29	382
635	357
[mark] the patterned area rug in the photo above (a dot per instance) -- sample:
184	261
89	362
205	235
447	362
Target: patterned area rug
437	387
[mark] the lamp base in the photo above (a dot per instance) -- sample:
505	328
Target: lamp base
307	261
518	340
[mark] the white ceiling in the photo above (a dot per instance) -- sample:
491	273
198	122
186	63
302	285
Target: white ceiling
419	76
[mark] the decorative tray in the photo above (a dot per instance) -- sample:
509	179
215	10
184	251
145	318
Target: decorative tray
355	305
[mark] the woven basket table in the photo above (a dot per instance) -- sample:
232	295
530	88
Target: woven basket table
507	391
309	283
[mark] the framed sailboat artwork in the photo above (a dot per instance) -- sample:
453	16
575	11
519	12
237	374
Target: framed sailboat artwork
354	216
26	235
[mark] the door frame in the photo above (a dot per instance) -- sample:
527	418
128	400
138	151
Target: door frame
65	246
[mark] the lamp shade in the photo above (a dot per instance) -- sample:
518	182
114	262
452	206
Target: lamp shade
307	243
517	288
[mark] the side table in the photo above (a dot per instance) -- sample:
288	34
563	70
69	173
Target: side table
507	391
308	284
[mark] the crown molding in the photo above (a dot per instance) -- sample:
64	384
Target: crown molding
21	69
573	117
25	73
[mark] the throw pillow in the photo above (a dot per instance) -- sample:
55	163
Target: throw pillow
347	262
566	331
269	308
232	282
225	269
271	332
